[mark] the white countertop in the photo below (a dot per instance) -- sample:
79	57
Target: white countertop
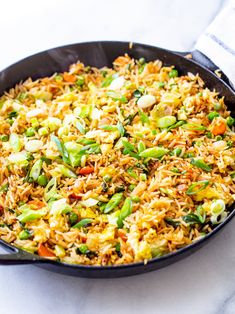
202	283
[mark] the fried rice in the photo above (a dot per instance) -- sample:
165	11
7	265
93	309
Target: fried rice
114	165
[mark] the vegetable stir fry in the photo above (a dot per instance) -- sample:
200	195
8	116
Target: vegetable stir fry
114	165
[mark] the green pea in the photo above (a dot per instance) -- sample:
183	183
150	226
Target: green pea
142	61
230	121
209	135
42	180
135	199
30	132
4	138
24	234
230	144
212	115
218	138
175	170
80	80
217	106
173	73
107	178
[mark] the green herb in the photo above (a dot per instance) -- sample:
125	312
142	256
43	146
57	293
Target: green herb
83	248
141	147
83	223
201	213
132	173
172	222
126	210
212	115
173	73
46	160
197	187
73	218
143	117
176	125
4	188
191	219
193	127
130	118
12	114
177	151
175	170
107	81
61	148
80	127
154	152
113	202
120	128
132	187
137	93
90	149
117	96
85	141
200	164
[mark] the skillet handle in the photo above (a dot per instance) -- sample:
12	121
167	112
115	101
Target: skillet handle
203	60
19	257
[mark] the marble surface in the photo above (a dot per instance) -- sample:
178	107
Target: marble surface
200	284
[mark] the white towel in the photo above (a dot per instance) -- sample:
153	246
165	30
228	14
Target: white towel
218	41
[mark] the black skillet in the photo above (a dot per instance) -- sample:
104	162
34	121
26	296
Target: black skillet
101	54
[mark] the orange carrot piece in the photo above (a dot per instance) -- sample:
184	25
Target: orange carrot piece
70	78
219	128
37	204
86	170
44	251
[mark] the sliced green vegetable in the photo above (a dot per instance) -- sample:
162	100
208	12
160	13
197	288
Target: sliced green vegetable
193	127
61	148
141	147
230	121
143	117
172	222
113	202
50	191
200	164
83	248
83	223
177	151
4	188
80	80
126	210
30	132
73	218
154	152
80	127
4	137
66	172
197	187
166	121
176	125
15	142
191	219
117	96
35	170
31	215
121	129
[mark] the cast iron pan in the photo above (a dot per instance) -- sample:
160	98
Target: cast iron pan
101	54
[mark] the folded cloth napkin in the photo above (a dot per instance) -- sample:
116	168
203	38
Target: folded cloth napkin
218	41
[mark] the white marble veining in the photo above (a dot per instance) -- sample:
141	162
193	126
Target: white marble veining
200	284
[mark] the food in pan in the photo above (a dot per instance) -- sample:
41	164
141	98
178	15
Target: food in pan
114	165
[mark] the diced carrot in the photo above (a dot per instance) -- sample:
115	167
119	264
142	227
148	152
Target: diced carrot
1	210
44	251
37	204
122	235
86	170
70	78
219	128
